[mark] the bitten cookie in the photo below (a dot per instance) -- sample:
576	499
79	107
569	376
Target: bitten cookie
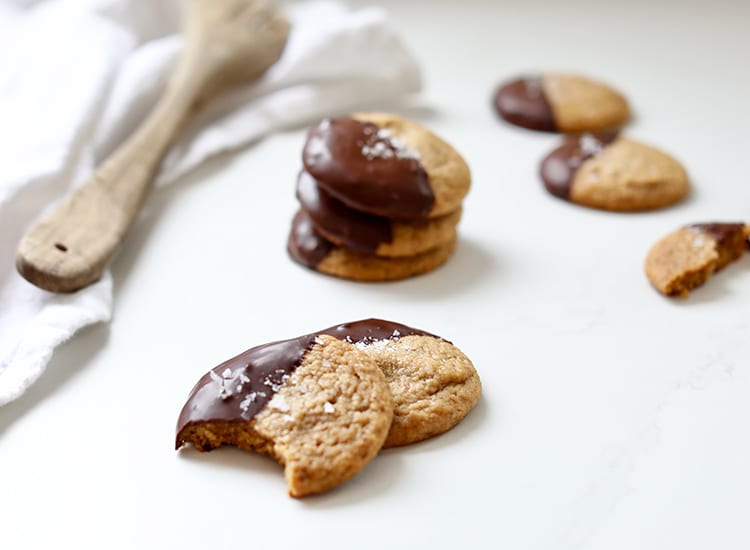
317	405
434	385
686	258
386	166
368	234
610	172
556	102
311	250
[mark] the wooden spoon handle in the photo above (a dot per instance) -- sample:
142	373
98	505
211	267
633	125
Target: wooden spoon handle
72	245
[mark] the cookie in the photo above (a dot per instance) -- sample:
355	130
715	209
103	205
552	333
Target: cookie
610	172
368	234
311	250
556	102
686	258
387	166
318	405
434	385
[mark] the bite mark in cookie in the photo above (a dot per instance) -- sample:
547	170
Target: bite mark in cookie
686	258
319	406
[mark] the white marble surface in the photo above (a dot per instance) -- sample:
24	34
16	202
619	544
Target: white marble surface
611	418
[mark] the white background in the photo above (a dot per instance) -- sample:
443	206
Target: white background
611	417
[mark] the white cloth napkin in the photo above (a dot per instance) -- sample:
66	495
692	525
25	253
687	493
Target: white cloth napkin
77	76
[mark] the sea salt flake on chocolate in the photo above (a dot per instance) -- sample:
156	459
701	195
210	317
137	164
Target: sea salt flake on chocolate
246	402
221	383
533	87
590	145
317	148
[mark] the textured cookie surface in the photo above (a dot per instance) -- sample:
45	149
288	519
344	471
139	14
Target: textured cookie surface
368	234
311	250
610	172
318	405
580	104
387	166
686	258
557	102
434	385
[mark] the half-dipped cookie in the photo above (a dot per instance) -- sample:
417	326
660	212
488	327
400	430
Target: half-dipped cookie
434	385
686	258
558	102
611	172
387	166
367	234
309	248
318	405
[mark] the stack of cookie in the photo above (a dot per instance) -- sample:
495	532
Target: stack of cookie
381	198
324	404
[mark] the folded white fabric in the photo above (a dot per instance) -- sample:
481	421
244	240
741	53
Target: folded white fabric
77	77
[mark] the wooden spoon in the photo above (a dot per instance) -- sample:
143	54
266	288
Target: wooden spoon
227	42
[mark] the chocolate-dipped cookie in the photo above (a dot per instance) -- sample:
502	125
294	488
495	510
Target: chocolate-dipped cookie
367	234
319	406
310	249
386	166
434	385
610	172
557	102
686	258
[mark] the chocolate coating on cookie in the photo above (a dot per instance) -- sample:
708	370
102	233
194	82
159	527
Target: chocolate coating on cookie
522	102
372	330
239	388
354	229
725	234
304	244
368	169
558	169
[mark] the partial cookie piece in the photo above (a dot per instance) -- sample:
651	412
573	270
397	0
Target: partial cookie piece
308	248
386	166
610	172
686	258
434	385
557	102
319	406
368	234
